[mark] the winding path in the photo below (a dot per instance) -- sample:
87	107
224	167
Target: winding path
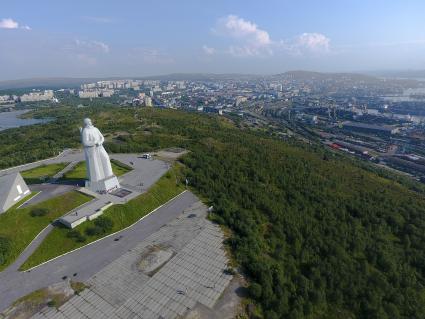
28	250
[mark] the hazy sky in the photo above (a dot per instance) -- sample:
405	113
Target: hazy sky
136	38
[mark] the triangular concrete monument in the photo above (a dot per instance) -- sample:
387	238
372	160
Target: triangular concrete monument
12	189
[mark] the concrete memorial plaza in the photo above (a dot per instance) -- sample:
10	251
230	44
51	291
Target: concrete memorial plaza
195	272
144	173
163	266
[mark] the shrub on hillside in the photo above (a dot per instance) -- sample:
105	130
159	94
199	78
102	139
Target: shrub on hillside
104	223
5	249
38	212
93	231
101	226
77	236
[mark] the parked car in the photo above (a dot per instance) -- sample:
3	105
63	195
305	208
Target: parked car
147	156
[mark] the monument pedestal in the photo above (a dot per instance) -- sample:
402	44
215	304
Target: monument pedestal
104	186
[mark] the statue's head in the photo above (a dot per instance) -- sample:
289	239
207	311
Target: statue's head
87	122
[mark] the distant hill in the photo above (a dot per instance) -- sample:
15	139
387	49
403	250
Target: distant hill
309	75
63	82
202	77
367	79
405	74
296	74
45	82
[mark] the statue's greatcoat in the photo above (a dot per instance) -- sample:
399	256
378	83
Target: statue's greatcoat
97	160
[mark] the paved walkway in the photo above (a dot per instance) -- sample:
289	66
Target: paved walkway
86	261
29	250
60	174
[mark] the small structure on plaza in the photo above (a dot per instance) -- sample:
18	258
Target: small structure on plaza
100	177
12	189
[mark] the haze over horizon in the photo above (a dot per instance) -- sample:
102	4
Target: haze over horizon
143	38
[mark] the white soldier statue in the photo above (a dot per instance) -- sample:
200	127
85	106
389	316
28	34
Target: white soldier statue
99	171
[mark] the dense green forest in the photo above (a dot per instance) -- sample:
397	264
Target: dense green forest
317	235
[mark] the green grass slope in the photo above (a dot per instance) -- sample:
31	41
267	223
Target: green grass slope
42	173
19	228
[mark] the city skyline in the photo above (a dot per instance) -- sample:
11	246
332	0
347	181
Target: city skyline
143	38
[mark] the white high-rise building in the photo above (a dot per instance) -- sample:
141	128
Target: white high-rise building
37	96
148	101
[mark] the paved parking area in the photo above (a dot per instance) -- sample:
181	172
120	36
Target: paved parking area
195	274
